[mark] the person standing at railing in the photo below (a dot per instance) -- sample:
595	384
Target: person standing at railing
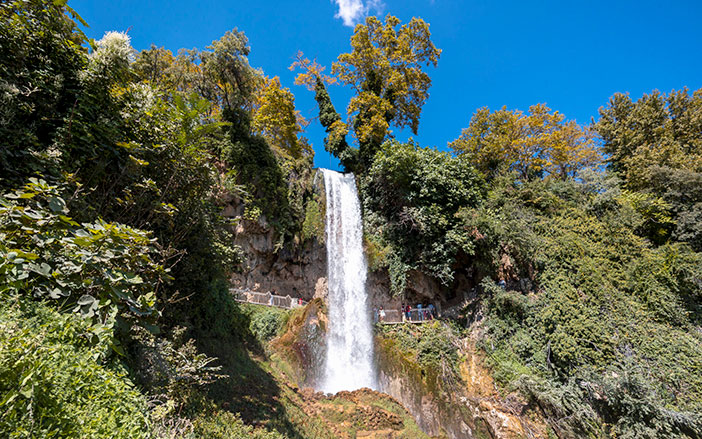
432	311
381	314
419	311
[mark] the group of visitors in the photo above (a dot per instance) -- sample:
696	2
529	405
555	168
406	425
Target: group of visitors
421	313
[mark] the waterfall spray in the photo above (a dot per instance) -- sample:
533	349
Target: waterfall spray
349	361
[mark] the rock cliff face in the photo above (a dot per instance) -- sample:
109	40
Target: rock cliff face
469	408
298	269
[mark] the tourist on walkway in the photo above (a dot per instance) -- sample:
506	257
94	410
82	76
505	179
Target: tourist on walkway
381	314
432	311
419	311
408	312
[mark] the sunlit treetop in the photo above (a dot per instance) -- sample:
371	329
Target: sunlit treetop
275	117
385	69
540	141
386	62
311	72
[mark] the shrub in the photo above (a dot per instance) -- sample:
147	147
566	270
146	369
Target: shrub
266	323
51	384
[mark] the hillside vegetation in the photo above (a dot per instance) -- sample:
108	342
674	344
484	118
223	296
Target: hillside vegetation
579	248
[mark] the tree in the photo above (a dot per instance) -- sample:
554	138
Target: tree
385	70
655	145
227	64
530	144
40	61
656	130
153	64
410	197
275	118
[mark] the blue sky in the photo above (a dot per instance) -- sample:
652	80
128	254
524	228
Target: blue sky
571	55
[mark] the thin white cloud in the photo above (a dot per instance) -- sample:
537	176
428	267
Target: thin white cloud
353	11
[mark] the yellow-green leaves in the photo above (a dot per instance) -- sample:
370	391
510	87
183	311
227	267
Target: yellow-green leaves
384	67
274	117
385	70
531	144
311	72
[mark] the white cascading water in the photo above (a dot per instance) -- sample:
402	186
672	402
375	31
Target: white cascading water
349	361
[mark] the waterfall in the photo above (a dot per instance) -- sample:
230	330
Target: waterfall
349	361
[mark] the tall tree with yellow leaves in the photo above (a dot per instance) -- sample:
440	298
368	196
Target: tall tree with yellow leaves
275	118
385	69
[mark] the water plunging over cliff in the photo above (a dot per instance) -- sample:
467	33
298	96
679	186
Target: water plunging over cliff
349	361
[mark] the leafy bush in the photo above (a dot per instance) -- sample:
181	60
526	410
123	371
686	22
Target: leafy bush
224	425
266	323
589	306
40	62
51	384
433	345
104	271
411	196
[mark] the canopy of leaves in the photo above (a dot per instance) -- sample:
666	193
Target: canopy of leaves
40	60
590	309
385	70
275	118
52	385
411	196
530	144
655	145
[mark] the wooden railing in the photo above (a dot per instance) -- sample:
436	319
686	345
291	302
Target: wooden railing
267	299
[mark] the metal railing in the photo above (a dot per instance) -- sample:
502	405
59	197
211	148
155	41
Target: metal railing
267	299
414	315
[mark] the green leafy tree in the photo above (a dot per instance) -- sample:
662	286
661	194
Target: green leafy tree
654	144
411	197
40	63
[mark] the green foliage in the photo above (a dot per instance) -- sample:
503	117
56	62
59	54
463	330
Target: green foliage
51	384
589	305
224	425
336	129
529	144
315	221
266	322
40	62
386	70
102	270
411	196
433	346
654	144
171	368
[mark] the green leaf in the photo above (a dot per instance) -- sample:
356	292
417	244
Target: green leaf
86	300
57	204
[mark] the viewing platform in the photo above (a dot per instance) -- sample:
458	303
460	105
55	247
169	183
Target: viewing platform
397	317
267	299
392	316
